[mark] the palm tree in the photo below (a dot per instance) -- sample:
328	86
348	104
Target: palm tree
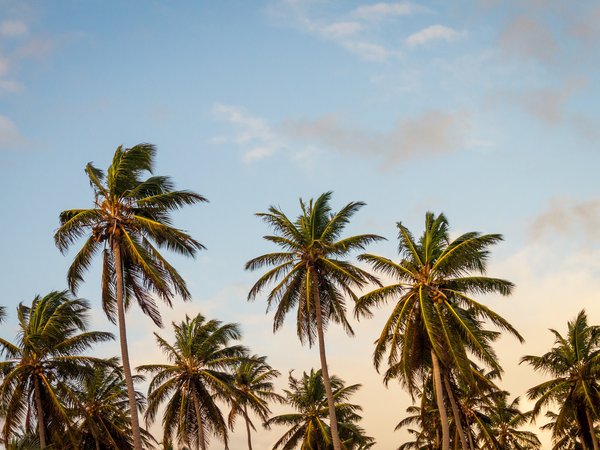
574	365
129	223
101	406
436	324
308	427
47	354
200	373
312	275
505	420
254	389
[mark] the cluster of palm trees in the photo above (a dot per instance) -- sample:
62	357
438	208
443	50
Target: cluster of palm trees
438	341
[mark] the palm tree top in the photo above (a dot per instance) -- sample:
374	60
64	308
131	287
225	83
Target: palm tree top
312	256
133	213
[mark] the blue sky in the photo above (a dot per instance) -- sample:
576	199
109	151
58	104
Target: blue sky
485	110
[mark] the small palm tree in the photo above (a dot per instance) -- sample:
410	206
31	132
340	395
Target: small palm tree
574	365
100	405
505	421
129	222
436	324
308	427
46	356
200	373
312	274
254	389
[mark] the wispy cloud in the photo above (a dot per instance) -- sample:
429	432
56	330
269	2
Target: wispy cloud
10	136
530	39
13	28
433	33
253	133
357	30
433	132
566	216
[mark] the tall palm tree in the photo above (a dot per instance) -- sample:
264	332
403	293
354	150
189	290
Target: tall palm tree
308	427
200	373
312	274
129	222
100	405
47	354
436	324
254	390
574	365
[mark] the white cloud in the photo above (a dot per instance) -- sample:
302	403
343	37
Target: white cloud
254	134
378	11
12	28
433	33
352	30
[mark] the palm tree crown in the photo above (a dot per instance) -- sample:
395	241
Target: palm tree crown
309	427
47	354
202	361
574	365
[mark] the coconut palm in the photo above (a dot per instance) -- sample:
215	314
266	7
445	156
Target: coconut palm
200	373
100	405
47	354
505	421
129	222
254	390
574	365
308	427
436	324
312	275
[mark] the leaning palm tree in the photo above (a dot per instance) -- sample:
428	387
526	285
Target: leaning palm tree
129	223
254	390
436	324
312	274
308	427
200	373
47	354
574	365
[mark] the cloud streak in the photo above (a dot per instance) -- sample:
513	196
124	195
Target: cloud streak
433	132
565	216
433	33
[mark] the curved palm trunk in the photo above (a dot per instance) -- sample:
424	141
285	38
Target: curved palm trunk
201	439
135	424
40	412
594	438
335	437
248	427
456	414
439	397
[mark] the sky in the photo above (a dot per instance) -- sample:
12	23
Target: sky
488	111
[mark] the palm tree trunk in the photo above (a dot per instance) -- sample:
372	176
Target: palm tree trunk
135	424
439	397
248	427
201	439
335	437
40	412
97	444
592	431
456	414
